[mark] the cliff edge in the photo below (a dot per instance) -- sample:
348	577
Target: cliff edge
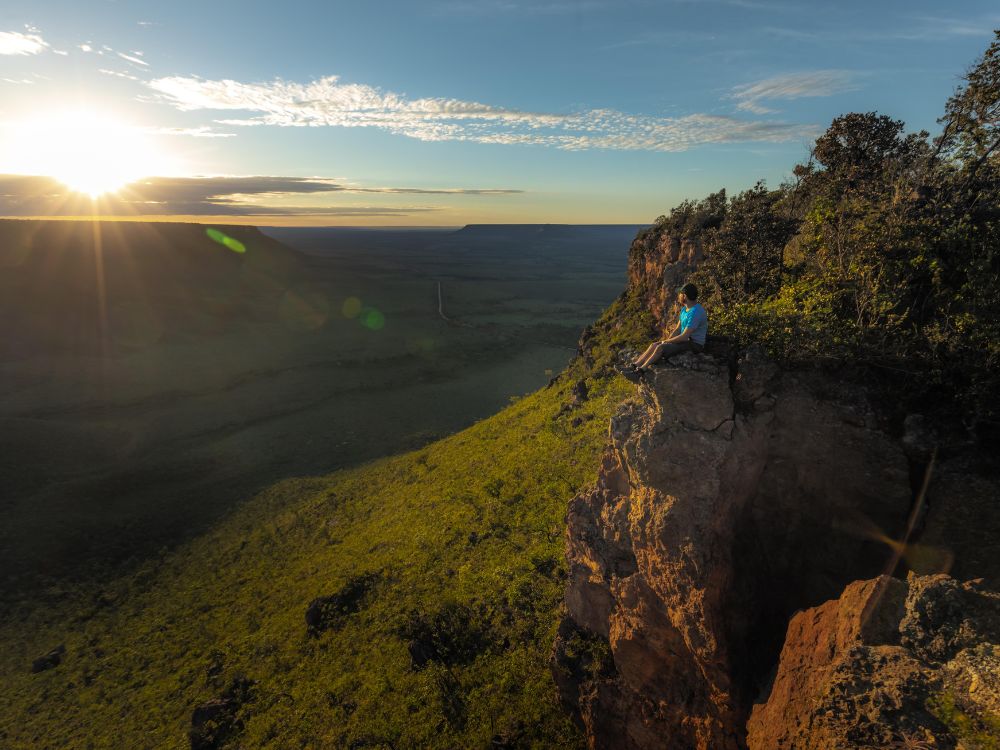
731	496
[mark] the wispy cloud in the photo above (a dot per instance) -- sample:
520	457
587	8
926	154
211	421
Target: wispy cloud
916	28
328	102
749	96
28	195
938	26
522	7
117	74
133	58
433	191
203	131
660	37
19	43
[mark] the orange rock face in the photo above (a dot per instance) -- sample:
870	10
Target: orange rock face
872	668
720	509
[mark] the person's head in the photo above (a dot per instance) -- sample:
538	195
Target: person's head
687	294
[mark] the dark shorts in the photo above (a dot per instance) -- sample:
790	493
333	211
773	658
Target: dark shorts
677	347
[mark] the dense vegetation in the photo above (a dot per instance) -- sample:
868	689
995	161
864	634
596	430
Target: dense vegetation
883	252
410	602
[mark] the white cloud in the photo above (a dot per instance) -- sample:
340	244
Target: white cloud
133	59
521	7
118	74
200	132
17	43
792	86
911	29
328	102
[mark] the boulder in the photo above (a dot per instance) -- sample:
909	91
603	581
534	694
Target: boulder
50	660
890	663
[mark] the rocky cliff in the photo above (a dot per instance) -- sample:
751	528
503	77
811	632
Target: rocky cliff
658	262
718	570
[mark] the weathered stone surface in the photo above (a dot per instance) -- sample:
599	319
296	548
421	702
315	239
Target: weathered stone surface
734	504
667	260
961	531
871	668
711	523
755	378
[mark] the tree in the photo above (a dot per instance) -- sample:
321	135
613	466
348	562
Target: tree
745	256
972	115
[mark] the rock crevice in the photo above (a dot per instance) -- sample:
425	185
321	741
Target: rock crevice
725	502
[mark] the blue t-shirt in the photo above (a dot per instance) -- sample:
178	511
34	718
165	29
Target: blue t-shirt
696	319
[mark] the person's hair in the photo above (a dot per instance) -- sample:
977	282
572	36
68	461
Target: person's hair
690	290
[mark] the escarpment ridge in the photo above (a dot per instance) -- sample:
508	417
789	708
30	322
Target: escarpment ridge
734	563
725	508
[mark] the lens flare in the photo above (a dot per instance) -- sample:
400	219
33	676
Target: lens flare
304	309
373	319
351	307
225	240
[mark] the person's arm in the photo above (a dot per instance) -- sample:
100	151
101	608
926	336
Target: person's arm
676	337
672	333
686	333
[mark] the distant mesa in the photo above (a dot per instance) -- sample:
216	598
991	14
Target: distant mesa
550	230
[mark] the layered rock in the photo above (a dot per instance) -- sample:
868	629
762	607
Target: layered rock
890	663
733	506
728	498
659	262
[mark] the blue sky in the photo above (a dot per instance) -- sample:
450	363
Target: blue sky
462	111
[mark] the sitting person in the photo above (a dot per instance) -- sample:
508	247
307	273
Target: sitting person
688	335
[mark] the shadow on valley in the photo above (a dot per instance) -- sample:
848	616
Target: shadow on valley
152	375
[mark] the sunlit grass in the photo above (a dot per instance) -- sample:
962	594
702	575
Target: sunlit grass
474	523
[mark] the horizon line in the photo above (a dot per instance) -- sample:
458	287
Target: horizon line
230	220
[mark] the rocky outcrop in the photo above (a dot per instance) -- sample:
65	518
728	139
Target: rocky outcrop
330	612
961	530
742	517
216	722
728	498
659	262
890	663
50	660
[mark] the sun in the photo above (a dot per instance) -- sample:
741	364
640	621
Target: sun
89	152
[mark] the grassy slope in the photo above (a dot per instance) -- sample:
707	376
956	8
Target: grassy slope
471	524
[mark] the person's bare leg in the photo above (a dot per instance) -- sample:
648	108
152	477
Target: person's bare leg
649	350
651	357
666	351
